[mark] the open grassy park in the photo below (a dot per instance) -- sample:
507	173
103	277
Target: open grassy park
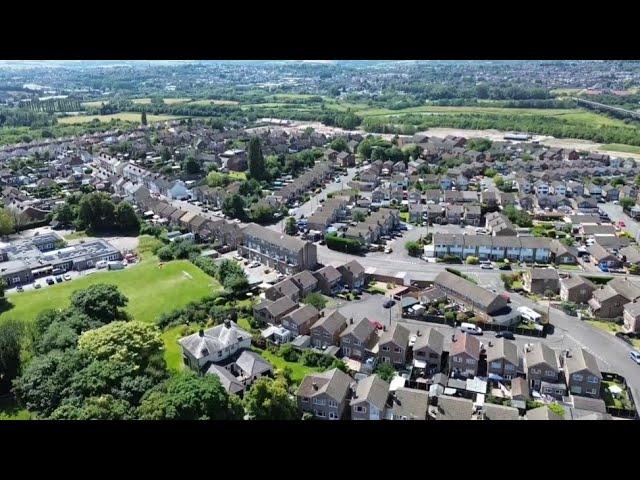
618	147
151	289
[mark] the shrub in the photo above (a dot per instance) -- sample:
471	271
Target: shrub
414	248
449	316
289	353
165	253
471	260
342	244
451	259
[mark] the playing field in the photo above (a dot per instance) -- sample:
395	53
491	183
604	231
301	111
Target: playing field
618	147
151	289
125	116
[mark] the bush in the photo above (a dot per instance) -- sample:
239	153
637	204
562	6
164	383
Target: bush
450	316
414	248
385	371
316	299
471	260
342	244
165	253
311	358
451	259
205	264
289	353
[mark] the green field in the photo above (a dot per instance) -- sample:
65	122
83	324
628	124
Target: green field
168	101
618	147
151	289
172	351
298	370
213	102
124	116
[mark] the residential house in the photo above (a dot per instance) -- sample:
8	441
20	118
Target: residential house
369	399
481	301
358	338
326	331
576	289
213	345
631	317
353	275
606	302
393	345
541	280
300	320
543	370
464	354
427	350
407	404
329	280
305	282
502	359
325	395
582	373
268	311
453	408
284	288
542	413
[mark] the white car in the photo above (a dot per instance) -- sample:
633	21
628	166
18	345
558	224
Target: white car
487	266
254	264
238	258
635	356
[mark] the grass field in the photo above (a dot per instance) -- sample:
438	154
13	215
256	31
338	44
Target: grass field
172	351
213	102
124	116
151	290
95	104
618	147
609	327
168	101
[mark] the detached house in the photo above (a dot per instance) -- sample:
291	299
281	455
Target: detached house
582	373
427	350
464	355
300	320
269	311
213	345
502	359
326	331
541	280
369	399
325	395
393	345
543	370
353	275
329	280
576	289
631	317
358	338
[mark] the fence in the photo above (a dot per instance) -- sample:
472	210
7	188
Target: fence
621	412
492	327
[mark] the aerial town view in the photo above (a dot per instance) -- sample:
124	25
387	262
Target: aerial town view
320	240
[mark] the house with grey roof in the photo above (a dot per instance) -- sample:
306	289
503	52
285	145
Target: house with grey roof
502	358
300	320
453	408
329	280
306	282
582	373
353	275
483	302
393	345
284	288
213	345
326	331
631	317
407	404
358	338
464	354
325	395
369	400
543	370
541	280
236	376
542	413
492	411
427	350
268	311
576	289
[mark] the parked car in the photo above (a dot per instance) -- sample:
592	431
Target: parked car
239	258
66	276
50	281
389	303
59	279
622	224
506	334
37	285
470	328
487	266
19	288
254	264
635	356
376	324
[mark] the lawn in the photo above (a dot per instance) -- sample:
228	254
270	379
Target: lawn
620	401
298	370
124	116
151	290
569	267
618	147
172	351
609	327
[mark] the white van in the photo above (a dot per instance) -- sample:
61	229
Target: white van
470	328
102	264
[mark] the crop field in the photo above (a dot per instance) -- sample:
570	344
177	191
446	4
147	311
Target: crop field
125	116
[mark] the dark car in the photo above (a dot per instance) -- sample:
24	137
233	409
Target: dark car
389	303
50	281
505	334
19	288
59	279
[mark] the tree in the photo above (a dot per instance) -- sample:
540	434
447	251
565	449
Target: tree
256	161
290	226
187	396
471	260
268	399
339	144
11	334
191	165
627	203
128	342
65	214
101	302
96	212
358	216
58	336
385	371
103	407
126	218
236	283
6	223
414	248
233	206
143	118
315	299
215	179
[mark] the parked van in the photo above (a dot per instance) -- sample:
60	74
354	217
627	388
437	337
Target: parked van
102	264
115	266
470	328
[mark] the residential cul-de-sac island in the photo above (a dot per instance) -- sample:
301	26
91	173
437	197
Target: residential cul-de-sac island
342	274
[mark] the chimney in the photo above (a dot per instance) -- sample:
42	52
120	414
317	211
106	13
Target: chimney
227	323
315	385
201	333
351	321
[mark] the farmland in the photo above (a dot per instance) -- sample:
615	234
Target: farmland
124	116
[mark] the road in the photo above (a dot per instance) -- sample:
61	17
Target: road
616	214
